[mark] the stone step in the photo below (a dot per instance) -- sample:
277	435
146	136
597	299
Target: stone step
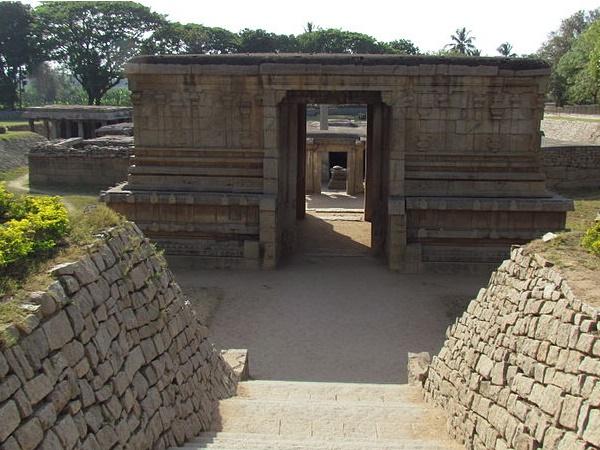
326	419
293	415
316	391
227	441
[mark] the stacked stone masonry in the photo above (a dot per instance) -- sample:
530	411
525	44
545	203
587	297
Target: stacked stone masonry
75	163
453	155
112	356
572	167
520	369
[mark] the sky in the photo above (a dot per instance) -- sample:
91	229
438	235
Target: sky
428	23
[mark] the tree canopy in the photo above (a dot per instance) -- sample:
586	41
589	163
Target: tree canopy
95	39
17	49
572	51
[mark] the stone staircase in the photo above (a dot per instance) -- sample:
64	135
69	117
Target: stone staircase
281	415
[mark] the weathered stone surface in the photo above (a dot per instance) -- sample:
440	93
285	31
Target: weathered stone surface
9	418
38	388
30	434
541	392
452	188
58	330
84	378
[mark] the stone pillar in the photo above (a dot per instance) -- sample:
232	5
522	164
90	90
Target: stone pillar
54	129
268	212
32	125
47	128
351	172
80	129
324	117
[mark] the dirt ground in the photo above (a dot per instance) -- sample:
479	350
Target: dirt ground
332	312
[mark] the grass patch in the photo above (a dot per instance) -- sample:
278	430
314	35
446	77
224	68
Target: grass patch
13	174
580	267
31	274
587	207
14	135
13	123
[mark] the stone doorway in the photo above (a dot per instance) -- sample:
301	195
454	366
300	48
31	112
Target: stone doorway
300	180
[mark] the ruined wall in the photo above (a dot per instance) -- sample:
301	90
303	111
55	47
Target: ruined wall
113	357
572	166
92	167
521	367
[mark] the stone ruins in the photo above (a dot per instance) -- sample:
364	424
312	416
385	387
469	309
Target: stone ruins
68	121
453	154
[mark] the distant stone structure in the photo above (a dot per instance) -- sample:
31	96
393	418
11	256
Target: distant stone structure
76	163
572	166
68	121
453	171
319	144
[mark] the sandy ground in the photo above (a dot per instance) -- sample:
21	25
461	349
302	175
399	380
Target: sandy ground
326	317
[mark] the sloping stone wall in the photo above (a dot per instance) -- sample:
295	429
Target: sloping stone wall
112	357
572	166
13	152
521	367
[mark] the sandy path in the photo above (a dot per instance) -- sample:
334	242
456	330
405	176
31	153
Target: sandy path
344	319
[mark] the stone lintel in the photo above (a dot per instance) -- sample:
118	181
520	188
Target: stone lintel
78	112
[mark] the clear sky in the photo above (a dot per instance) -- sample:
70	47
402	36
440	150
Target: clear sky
428	23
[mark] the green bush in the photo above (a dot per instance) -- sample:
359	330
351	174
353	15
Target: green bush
591	239
29	225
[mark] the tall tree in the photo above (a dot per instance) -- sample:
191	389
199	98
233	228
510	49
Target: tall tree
505	49
462	42
261	41
579	67
17	49
95	39
560	41
402	47
333	40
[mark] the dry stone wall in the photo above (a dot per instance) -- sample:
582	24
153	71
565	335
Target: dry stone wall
112	356
93	163
521	367
572	166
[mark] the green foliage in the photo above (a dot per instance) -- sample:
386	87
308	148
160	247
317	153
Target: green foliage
579	67
190	38
506	49
94	40
17	49
29	225
591	239
462	43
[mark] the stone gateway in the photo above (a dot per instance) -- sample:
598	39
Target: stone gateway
453	154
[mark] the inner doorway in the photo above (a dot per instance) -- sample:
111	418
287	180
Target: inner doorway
335	177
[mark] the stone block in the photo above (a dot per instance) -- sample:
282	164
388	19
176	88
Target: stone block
9	418
58	331
38	388
29	434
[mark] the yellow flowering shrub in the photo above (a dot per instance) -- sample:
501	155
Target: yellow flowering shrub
29	224
591	239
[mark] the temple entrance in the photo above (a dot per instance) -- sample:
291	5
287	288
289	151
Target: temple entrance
335	185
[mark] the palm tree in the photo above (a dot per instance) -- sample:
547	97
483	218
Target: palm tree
310	27
462	42
505	49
